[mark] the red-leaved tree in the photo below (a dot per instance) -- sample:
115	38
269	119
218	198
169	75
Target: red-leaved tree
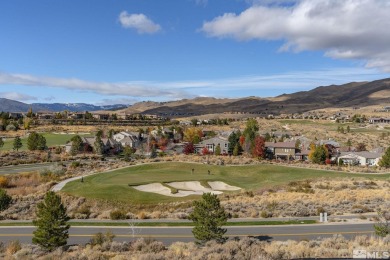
258	150
205	151
189	148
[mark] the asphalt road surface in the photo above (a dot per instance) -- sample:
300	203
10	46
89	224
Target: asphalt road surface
168	235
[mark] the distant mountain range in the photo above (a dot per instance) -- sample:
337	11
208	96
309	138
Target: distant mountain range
354	94
16	106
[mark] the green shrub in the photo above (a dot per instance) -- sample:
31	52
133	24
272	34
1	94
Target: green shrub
99	238
117	214
5	200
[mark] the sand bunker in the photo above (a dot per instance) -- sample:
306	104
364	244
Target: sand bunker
220	185
186	188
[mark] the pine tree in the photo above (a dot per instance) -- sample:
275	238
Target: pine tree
36	141
237	149
209	217
98	145
218	150
41	144
52	228
385	161
76	144
17	143
153	152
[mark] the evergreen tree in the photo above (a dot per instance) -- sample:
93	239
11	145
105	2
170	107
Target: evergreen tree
237	149
385	161
41	144
233	140
251	129
52	228
127	152
98	145
76	144
209	217
153	152
17	144
1	142
36	141
5	200
218	150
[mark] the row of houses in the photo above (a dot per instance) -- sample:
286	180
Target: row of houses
287	151
82	115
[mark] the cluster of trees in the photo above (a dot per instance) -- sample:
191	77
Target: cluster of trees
357	118
318	153
249	141
340	129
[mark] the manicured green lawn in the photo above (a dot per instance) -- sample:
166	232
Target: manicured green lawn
114	186
51	140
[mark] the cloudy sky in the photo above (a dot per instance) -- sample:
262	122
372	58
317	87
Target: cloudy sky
105	52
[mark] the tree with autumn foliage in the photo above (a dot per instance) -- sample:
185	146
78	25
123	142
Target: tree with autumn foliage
189	148
205	151
193	135
319	155
258	150
312	148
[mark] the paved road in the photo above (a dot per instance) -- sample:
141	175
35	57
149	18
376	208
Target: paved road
169	235
24	168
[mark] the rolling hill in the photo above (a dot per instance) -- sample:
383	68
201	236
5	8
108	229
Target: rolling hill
354	94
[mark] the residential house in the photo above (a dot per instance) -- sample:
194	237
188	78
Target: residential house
109	145
302	155
375	120
360	158
212	143
101	116
47	115
280	150
127	139
16	115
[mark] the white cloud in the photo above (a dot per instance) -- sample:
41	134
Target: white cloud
347	29
17	96
134	89
139	22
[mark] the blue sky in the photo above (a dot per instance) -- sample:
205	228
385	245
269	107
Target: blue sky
105	52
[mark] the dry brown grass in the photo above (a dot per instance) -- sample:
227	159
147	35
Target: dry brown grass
245	248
